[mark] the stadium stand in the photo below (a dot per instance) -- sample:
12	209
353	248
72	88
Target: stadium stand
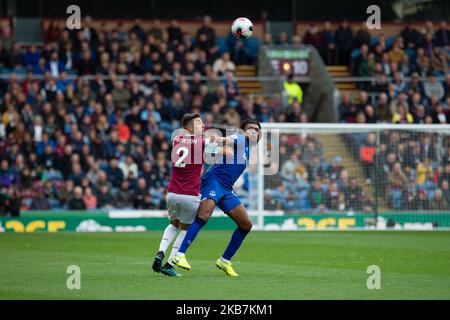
84	137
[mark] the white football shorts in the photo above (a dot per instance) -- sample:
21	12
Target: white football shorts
182	207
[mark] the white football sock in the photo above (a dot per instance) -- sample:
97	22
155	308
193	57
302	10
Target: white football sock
169	234
176	245
224	260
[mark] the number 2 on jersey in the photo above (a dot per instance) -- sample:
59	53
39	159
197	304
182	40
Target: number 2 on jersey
180	163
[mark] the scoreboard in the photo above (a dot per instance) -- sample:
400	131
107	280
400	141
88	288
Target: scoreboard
289	60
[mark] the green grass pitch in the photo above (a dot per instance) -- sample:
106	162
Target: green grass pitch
272	265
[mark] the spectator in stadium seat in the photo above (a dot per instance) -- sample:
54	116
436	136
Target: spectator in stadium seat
64	194
120	95
296	40
155	30
288	168
353	195
54	65
140	195
316	196
423	169
330	51
439	116
344	42
128	166
76	202
415	86
224	64
422	201
89	33
445	174
361	117
402	115
396	183
442	35
371	115
7	175
4	56
445	187
31	57
363	101
410	195
40	202
206	35
419	114
114	173
310	150
124	196
136	28
362	36
423	63
411	36
334	198
90	200
361	64
175	33
267	39
294	111
428	44
439	203
383	109
282	39
123	131
16	56
397	54
314	36
104	198
52	33
315	169
439	61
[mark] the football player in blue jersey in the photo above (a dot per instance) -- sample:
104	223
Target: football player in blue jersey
217	190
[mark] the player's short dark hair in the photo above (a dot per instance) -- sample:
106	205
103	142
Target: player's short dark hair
187	119
246	122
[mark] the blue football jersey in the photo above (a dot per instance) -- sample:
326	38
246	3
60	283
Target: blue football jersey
227	171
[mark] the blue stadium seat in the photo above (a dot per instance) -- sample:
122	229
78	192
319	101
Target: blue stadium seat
4	70
71	72
373	40
222	44
355	53
20	71
389	42
253	45
411	54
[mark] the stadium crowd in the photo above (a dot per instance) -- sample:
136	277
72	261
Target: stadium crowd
103	141
84	137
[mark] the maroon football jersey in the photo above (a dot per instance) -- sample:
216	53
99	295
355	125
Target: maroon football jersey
187	162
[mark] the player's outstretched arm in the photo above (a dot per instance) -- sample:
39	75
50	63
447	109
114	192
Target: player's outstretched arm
222	145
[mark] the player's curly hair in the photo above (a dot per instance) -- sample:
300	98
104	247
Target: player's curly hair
249	121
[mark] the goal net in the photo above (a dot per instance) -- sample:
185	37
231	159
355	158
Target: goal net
344	176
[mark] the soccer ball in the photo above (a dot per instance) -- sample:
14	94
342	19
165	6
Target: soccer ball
242	28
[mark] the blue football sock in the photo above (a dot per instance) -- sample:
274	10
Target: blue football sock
194	228
236	240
